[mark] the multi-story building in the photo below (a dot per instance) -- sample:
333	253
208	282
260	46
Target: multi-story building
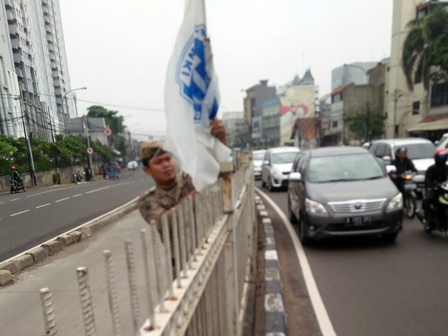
351	99
234	124
271	122
344	75
418	112
11	122
35	30
256	96
298	100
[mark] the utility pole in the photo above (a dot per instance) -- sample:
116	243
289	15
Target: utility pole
396	96
30	151
56	156
87	135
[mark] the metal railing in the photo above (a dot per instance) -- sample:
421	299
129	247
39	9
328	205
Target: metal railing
197	261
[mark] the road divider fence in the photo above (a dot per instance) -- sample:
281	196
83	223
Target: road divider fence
198	263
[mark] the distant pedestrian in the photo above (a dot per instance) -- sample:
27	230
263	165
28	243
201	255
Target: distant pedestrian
103	170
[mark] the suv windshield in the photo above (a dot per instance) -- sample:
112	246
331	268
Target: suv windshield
259	156
287	157
344	168
420	151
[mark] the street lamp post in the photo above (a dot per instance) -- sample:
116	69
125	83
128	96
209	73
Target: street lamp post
64	98
367	97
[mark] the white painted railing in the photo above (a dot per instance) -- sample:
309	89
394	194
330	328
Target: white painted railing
196	280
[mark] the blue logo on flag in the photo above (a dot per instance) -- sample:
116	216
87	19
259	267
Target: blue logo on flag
192	76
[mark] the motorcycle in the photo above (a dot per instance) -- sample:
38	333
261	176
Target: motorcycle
16	186
438	216
78	177
410	197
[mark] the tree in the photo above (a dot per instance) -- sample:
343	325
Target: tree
113	120
425	49
376	124
241	140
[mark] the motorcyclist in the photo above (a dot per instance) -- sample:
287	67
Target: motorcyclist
16	176
436	174
402	164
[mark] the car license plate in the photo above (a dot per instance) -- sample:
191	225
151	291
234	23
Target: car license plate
410	186
358	221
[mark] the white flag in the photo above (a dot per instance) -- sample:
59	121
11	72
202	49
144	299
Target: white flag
192	100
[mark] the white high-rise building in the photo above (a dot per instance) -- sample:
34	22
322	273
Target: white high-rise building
10	114
35	30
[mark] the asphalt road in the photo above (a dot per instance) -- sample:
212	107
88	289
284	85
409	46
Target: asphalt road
30	218
372	288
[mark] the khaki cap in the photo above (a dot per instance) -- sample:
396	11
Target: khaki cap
148	149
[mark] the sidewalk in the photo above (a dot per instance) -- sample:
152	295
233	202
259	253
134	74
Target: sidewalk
20	306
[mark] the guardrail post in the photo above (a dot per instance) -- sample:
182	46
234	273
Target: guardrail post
46	298
183	249
187	221
148	269
168	264
193	220
86	301
132	278
177	261
159	267
112	293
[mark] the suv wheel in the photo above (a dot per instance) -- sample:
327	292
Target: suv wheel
306	241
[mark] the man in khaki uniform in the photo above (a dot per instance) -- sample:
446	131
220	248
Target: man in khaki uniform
170	189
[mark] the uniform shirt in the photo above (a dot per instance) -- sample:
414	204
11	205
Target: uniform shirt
154	203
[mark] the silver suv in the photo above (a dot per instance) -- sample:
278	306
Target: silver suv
276	166
343	191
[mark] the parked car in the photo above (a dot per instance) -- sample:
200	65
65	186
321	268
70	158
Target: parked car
443	142
420	151
343	191
276	166
132	165
258	157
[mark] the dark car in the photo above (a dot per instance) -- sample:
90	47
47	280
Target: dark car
343	191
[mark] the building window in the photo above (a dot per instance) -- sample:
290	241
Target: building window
416	107
418	76
439	95
335	124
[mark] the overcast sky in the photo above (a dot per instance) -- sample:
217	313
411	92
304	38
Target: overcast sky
120	49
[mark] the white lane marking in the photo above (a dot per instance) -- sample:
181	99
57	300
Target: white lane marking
43	205
18	213
49	191
326	327
15	199
77	195
62	199
103	188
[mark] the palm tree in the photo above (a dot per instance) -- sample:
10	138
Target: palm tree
425	49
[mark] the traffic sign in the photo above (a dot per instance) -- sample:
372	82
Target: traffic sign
90	150
107	131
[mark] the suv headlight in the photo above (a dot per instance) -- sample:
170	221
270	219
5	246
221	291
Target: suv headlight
396	203
314	207
276	173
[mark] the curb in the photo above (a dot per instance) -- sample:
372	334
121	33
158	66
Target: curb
276	323
37	254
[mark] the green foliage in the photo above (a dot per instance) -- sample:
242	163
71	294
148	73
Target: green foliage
426	46
113	120
376	125
120	144
241	140
14	152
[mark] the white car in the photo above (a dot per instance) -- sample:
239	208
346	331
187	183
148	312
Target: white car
443	142
258	157
132	165
277	165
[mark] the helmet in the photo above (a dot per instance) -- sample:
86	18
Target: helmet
13	168
403	150
441	155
